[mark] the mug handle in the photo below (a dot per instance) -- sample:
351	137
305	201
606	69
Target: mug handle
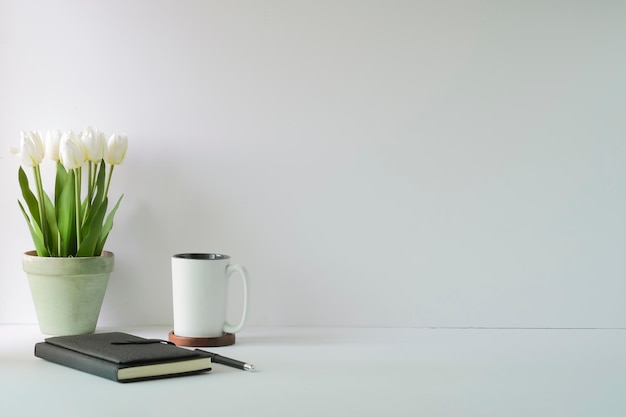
230	270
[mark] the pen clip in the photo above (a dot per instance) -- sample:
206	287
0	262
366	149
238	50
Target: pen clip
144	342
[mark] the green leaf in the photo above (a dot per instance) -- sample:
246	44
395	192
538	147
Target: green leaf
53	228
90	208
29	197
91	238
56	234
60	181
35	232
94	217
106	228
99	196
84	213
66	220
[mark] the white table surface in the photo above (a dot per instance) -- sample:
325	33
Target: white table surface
343	372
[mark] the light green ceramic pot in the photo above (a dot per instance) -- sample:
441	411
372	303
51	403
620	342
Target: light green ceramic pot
68	292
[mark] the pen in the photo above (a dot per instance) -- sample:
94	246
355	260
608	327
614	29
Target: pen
234	363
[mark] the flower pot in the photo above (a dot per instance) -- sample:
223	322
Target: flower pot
67	292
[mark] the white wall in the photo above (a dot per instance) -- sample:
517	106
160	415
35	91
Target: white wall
388	163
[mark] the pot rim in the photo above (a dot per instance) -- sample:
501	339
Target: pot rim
33	254
52	266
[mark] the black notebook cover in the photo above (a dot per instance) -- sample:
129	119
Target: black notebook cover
122	357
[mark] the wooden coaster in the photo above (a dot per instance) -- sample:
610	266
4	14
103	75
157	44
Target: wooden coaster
224	340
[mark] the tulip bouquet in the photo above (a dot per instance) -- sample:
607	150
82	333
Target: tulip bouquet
68	224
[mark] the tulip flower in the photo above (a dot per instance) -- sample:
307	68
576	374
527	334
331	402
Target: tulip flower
32	149
116	149
53	138
72	151
95	144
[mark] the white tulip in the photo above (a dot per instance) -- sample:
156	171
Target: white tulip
53	139
95	144
116	149
72	151
32	149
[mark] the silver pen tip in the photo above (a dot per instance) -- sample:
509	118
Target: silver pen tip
248	367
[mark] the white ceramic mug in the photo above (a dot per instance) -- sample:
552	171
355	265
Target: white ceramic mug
200	294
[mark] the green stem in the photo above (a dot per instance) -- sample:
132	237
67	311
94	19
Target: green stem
90	186
96	167
77	177
42	205
106	190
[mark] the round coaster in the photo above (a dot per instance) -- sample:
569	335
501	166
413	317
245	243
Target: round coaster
224	340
